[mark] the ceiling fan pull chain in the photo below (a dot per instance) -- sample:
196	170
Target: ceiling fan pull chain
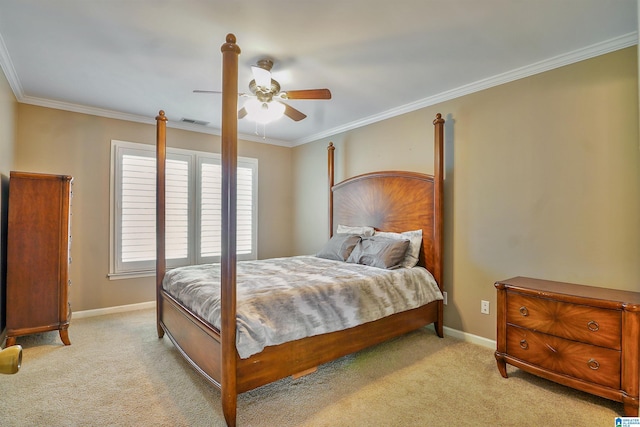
264	130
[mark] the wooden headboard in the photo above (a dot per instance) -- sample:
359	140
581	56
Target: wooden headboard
388	201
395	201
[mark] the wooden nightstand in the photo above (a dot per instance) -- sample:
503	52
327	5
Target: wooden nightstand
583	337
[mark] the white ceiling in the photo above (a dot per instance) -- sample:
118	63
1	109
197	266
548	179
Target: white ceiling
130	58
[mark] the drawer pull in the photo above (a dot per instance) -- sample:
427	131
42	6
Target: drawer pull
524	311
524	344
593	326
593	364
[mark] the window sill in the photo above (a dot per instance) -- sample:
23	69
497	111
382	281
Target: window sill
131	275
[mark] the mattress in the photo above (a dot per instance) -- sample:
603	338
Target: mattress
285	299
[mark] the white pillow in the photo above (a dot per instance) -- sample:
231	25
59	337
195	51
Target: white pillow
415	240
362	230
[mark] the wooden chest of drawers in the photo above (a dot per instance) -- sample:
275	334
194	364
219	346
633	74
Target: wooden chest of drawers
583	337
38	255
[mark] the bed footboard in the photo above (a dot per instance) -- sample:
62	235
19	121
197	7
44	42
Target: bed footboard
199	344
197	341
281	361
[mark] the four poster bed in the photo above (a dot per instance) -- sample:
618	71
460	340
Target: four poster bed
392	202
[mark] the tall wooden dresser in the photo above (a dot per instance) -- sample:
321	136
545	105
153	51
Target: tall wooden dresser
583	337
38	255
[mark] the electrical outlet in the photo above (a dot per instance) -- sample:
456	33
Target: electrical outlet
444	298
484	307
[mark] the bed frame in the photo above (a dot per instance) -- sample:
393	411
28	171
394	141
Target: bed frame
389	201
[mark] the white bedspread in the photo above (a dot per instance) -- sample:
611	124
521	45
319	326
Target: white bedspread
285	299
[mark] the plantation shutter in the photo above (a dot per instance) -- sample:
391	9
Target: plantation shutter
193	208
138	210
244	241
211	210
176	210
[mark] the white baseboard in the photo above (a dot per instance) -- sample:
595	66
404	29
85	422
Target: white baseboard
474	339
463	336
467	337
112	310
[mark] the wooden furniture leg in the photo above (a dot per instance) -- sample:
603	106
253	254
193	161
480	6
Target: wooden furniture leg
502	365
64	336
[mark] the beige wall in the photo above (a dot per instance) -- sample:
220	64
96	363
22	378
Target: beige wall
542	179
61	142
8	107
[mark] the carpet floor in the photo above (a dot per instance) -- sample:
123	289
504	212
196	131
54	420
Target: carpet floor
117	372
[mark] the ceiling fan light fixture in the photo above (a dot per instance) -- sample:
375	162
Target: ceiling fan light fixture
263	112
262	77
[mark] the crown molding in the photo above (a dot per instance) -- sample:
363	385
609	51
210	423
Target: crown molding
10	73
617	43
76	108
611	45
14	82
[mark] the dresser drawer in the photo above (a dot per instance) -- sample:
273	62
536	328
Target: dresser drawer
584	361
592	325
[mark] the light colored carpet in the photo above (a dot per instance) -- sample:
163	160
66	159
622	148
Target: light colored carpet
118	373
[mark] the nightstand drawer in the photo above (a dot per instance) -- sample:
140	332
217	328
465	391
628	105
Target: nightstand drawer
587	362
592	325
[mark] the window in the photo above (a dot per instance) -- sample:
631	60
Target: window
193	208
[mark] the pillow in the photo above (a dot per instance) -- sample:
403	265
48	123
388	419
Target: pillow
415	240
379	252
361	230
339	247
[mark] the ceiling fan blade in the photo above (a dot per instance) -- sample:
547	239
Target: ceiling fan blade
242	113
261	76
292	113
307	94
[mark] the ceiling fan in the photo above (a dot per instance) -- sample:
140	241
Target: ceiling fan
265	100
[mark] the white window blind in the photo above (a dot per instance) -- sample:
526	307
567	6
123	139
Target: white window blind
176	209
211	210
138	213
193	208
245	210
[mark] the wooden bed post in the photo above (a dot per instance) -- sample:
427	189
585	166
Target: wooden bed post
228	357
161	263
438	177
330	150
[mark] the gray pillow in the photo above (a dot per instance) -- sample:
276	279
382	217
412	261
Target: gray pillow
381	252
412	256
339	247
